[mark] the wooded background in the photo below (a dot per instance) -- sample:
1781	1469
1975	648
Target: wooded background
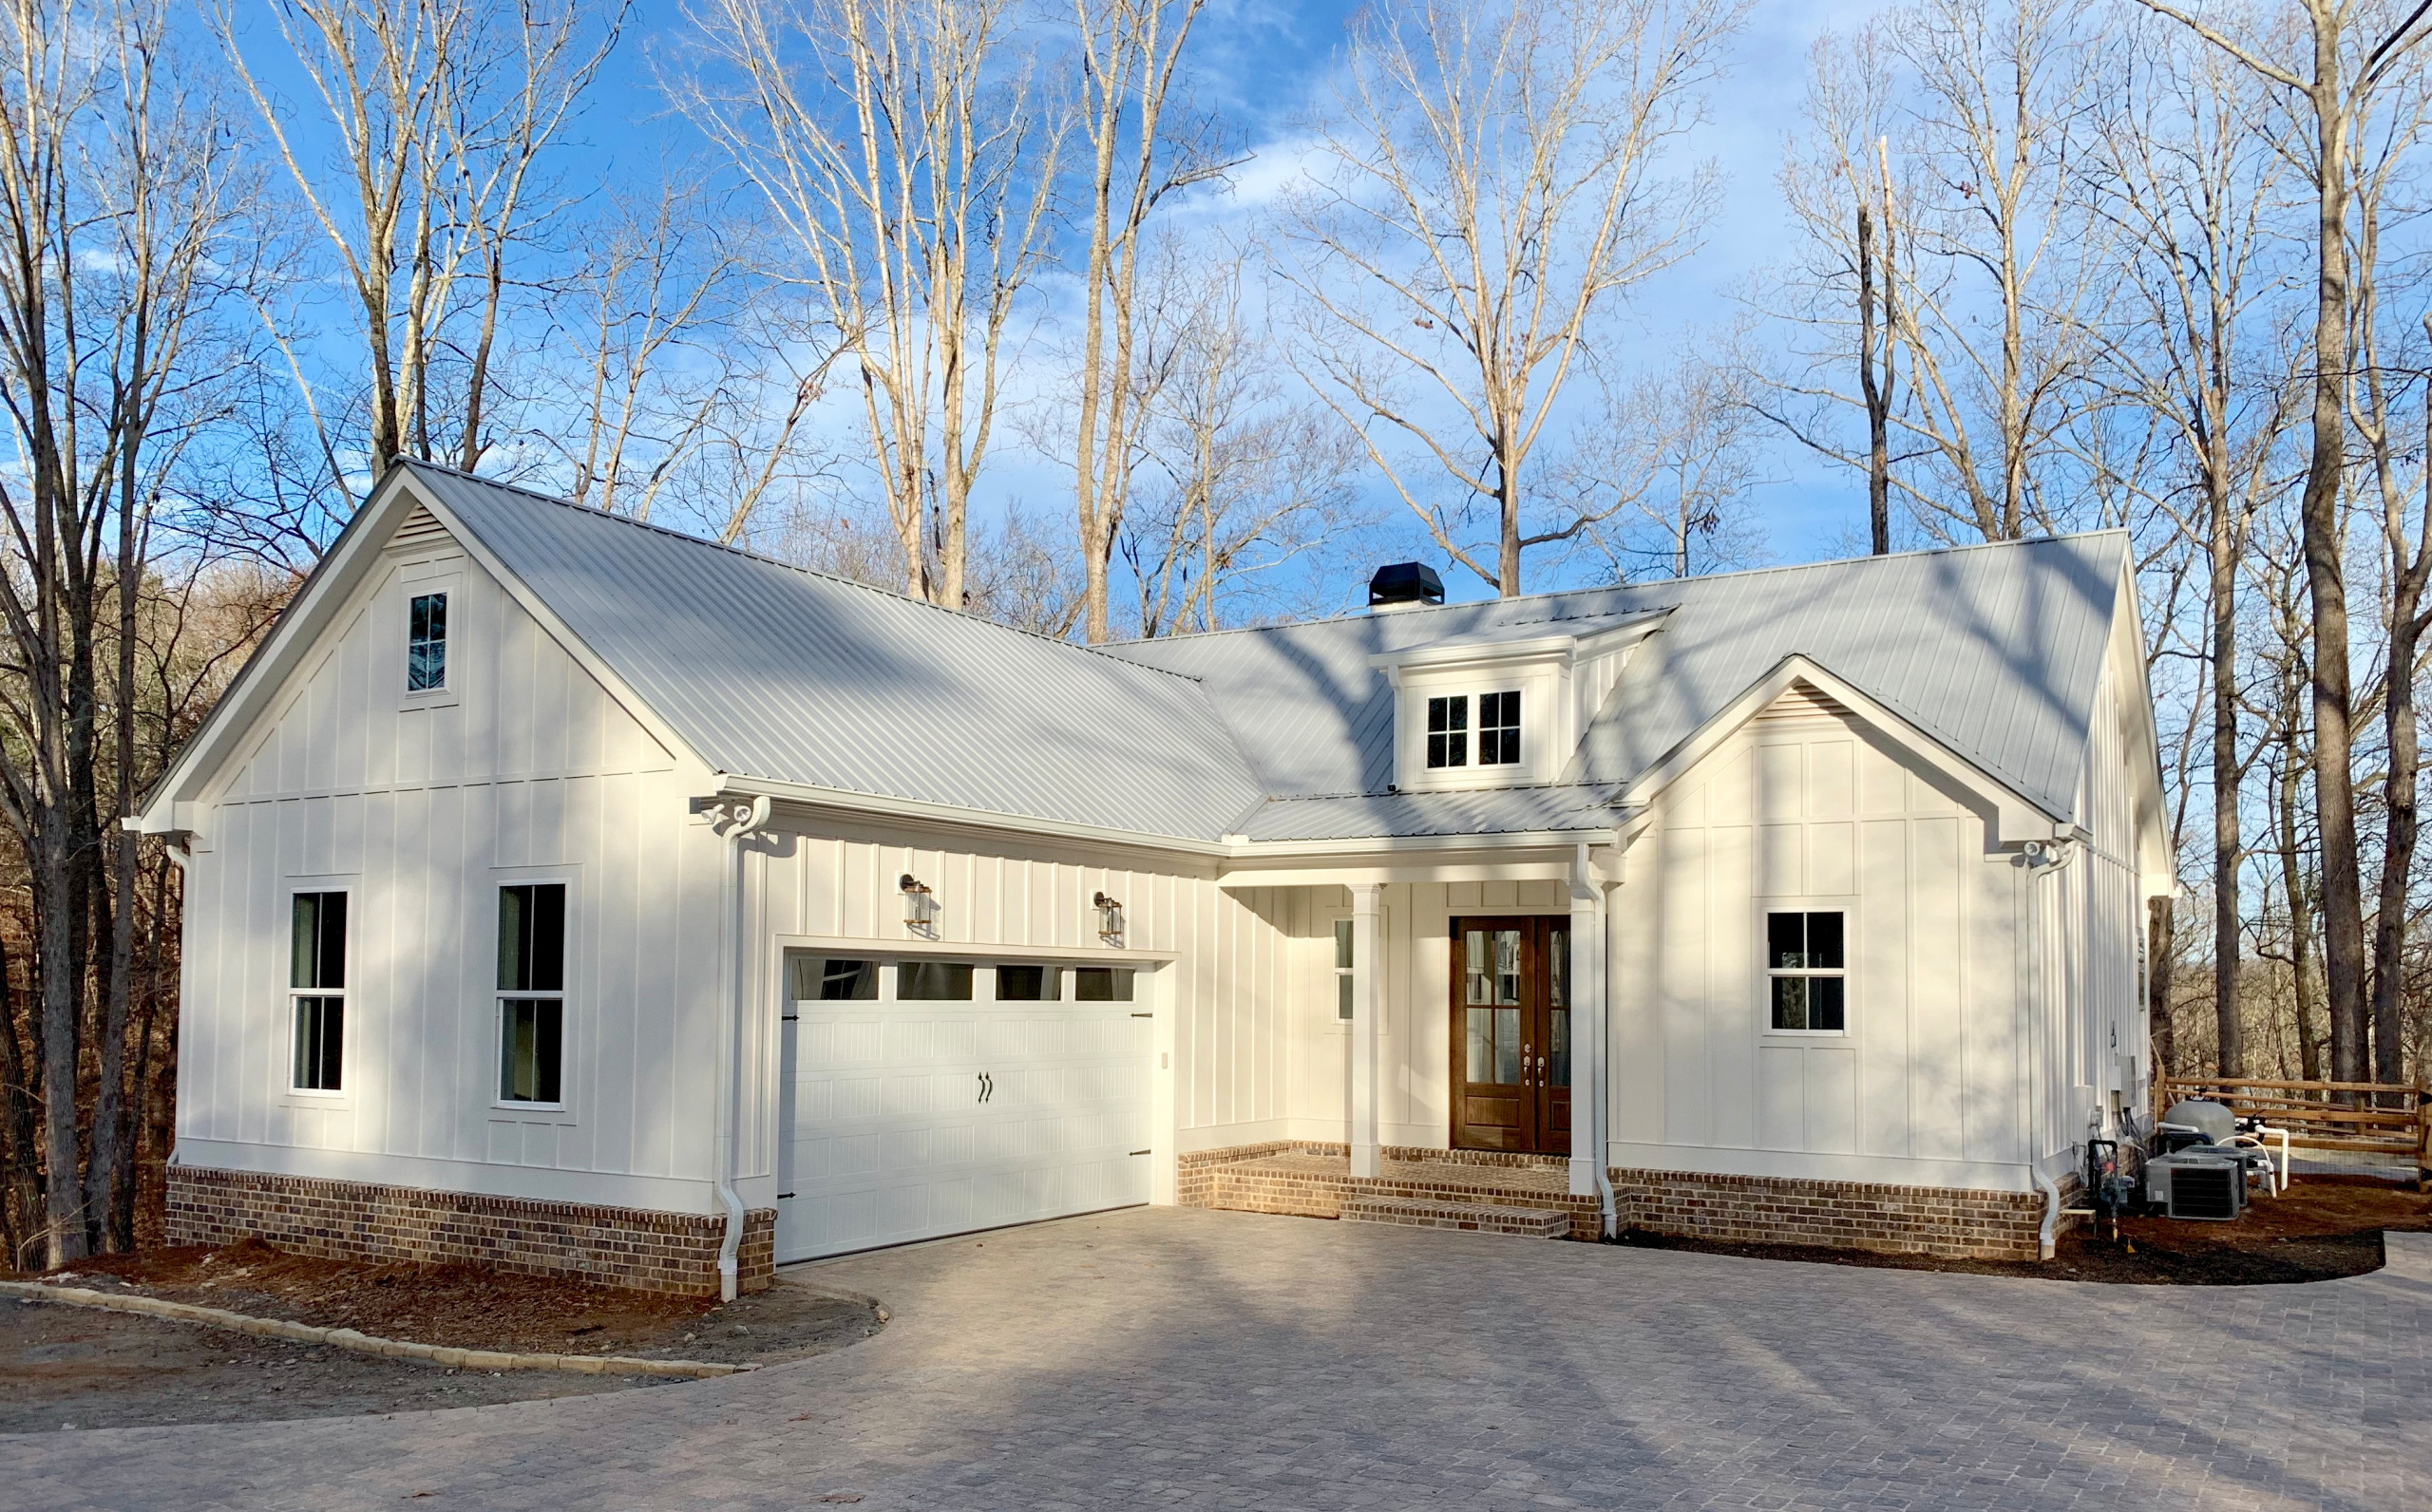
2058	265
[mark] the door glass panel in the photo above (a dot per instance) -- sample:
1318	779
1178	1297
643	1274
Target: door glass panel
1558	1036
1479	973
1507	1044
1481	1042
1558	968
1507	967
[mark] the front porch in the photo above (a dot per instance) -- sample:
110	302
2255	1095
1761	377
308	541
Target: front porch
1487	1191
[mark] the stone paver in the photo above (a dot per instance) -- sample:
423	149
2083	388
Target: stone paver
1189	1358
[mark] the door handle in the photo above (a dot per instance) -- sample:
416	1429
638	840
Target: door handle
1541	1071
1524	1080
987	1086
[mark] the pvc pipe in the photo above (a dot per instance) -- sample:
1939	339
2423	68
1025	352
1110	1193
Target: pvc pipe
2047	1237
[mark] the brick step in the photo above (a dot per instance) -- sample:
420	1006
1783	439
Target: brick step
1483	1217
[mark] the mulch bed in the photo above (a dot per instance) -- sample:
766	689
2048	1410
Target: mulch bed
2324	1227
465	1307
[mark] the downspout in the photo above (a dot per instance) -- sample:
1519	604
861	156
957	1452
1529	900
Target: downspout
2044	859
740	821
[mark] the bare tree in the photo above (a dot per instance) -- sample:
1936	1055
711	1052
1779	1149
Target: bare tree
117	191
1998	258
1242	477
1680	452
2381	160
440	112
1837	185
1130	53
2345	53
910	168
2186	170
1489	186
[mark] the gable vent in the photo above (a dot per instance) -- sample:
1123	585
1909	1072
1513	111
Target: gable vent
1804	701
420	528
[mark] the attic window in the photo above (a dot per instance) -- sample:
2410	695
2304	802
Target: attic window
1447	728
426	644
1499	728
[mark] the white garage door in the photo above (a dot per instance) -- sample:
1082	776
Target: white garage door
907	1120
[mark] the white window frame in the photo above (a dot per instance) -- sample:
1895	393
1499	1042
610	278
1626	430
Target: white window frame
1478	727
1345	965
296	887
1846	972
562	1109
1454	704
448	581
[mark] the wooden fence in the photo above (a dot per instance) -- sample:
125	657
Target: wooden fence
2374	1118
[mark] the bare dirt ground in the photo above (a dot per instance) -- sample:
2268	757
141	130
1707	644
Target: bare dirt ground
2322	1228
61	1365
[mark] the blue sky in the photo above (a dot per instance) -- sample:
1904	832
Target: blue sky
1262	64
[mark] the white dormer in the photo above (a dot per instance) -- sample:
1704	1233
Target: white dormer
1502	712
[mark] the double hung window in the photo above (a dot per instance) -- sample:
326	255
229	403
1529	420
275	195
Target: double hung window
427	643
316	983
532	997
1808	973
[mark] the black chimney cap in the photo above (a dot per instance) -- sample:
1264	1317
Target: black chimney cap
1405	582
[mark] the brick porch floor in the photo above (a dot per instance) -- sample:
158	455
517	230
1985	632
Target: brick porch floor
1314	1181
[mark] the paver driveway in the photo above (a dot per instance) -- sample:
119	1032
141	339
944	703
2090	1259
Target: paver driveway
1186	1358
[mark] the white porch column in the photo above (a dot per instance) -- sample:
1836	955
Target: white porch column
1366	1003
1588	1036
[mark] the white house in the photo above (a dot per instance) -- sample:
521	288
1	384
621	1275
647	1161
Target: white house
575	895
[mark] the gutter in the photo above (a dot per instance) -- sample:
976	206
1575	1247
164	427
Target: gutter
736	822
2046	858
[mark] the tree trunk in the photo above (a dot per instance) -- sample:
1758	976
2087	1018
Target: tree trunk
21	1196
1876	394
2160	960
2225	920
2300	929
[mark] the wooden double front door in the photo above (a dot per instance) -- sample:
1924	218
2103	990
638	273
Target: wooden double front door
1512	1034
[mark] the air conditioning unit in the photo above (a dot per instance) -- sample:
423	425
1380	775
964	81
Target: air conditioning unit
2199	1184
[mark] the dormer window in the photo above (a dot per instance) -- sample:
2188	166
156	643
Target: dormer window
1448	726
1499	728
1459	707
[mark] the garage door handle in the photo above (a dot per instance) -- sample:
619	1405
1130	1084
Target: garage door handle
987	1086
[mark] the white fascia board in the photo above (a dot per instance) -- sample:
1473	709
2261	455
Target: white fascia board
872	805
2157	867
1473	651
1363	850
965	951
2018	818
170	807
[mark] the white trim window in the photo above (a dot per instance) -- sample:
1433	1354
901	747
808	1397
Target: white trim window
1022	983
532	997
1807	970
1342	970
1499	728
317	990
427	643
1448	731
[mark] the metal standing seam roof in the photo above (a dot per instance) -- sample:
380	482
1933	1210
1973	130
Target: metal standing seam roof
1995	651
1284	733
767	671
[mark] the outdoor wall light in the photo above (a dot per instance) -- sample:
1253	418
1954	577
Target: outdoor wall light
919	905
1110	919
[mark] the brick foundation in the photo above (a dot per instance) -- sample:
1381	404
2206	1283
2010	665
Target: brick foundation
1311	1178
641	1249
1947	1223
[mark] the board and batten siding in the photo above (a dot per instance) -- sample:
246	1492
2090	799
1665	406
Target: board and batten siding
1414	1030
525	769
1806	807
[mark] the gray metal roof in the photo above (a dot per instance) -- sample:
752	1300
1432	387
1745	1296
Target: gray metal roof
769	671
1996	651
1283	733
